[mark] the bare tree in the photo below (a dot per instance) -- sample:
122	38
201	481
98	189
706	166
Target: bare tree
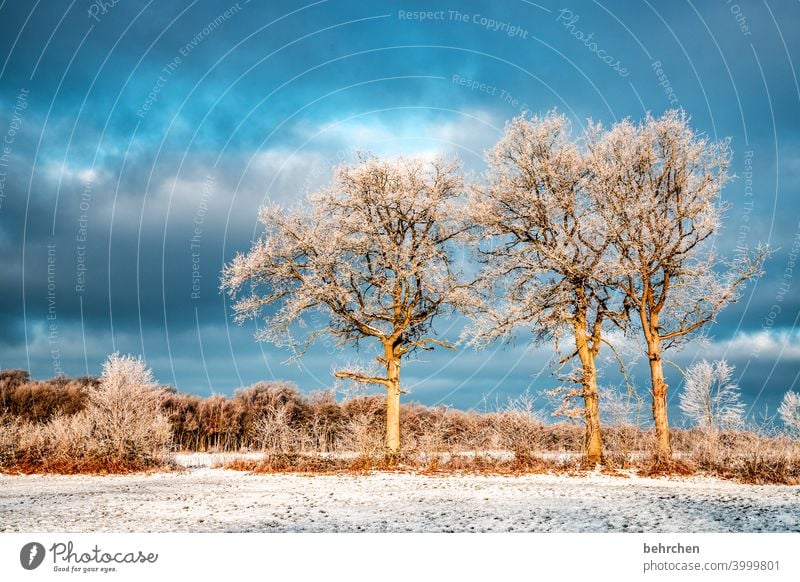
789	412
549	249
372	256
124	412
711	398
658	184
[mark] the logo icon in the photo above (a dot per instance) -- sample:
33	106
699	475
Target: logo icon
31	555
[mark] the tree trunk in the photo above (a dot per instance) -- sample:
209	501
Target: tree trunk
659	387
392	406
593	442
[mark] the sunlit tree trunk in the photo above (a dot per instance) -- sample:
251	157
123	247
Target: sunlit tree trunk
649	315
593	442
392	404
659	387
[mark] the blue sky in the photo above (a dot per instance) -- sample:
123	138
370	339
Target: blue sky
141	137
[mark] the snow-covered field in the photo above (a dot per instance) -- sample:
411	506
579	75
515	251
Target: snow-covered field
204	498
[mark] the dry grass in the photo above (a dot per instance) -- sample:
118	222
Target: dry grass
483	464
748	457
80	444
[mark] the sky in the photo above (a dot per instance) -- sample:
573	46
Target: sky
140	139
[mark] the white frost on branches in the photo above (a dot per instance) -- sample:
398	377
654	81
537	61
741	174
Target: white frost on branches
789	412
125	410
658	186
548	253
370	256
711	398
374	255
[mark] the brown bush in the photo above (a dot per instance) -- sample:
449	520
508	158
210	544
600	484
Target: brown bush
39	401
257	400
325	423
183	413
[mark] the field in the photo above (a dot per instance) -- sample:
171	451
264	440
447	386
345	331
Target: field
204	498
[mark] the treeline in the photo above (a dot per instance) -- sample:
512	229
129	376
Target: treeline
277	416
121	422
40	400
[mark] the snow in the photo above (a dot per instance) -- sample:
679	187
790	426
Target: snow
210	499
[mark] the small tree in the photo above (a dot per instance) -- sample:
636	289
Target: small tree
657	185
789	411
710	398
128	425
549	250
370	257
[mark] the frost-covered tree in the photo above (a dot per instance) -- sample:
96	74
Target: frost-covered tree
372	256
548	252
658	186
710	397
125	414
789	412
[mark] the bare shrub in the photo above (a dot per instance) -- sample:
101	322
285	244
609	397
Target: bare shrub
220	422
756	454
68	442
11	439
765	460
789	413
364	437
264	398
325	423
428	434
183	413
124	419
273	432
127	420
39	401
711	398
519	429
625	440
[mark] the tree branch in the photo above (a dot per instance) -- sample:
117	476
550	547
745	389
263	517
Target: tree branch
363	379
422	344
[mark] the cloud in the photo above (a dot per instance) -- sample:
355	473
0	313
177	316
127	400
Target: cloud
770	345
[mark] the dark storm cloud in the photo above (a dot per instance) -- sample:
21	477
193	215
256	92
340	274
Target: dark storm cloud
152	132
